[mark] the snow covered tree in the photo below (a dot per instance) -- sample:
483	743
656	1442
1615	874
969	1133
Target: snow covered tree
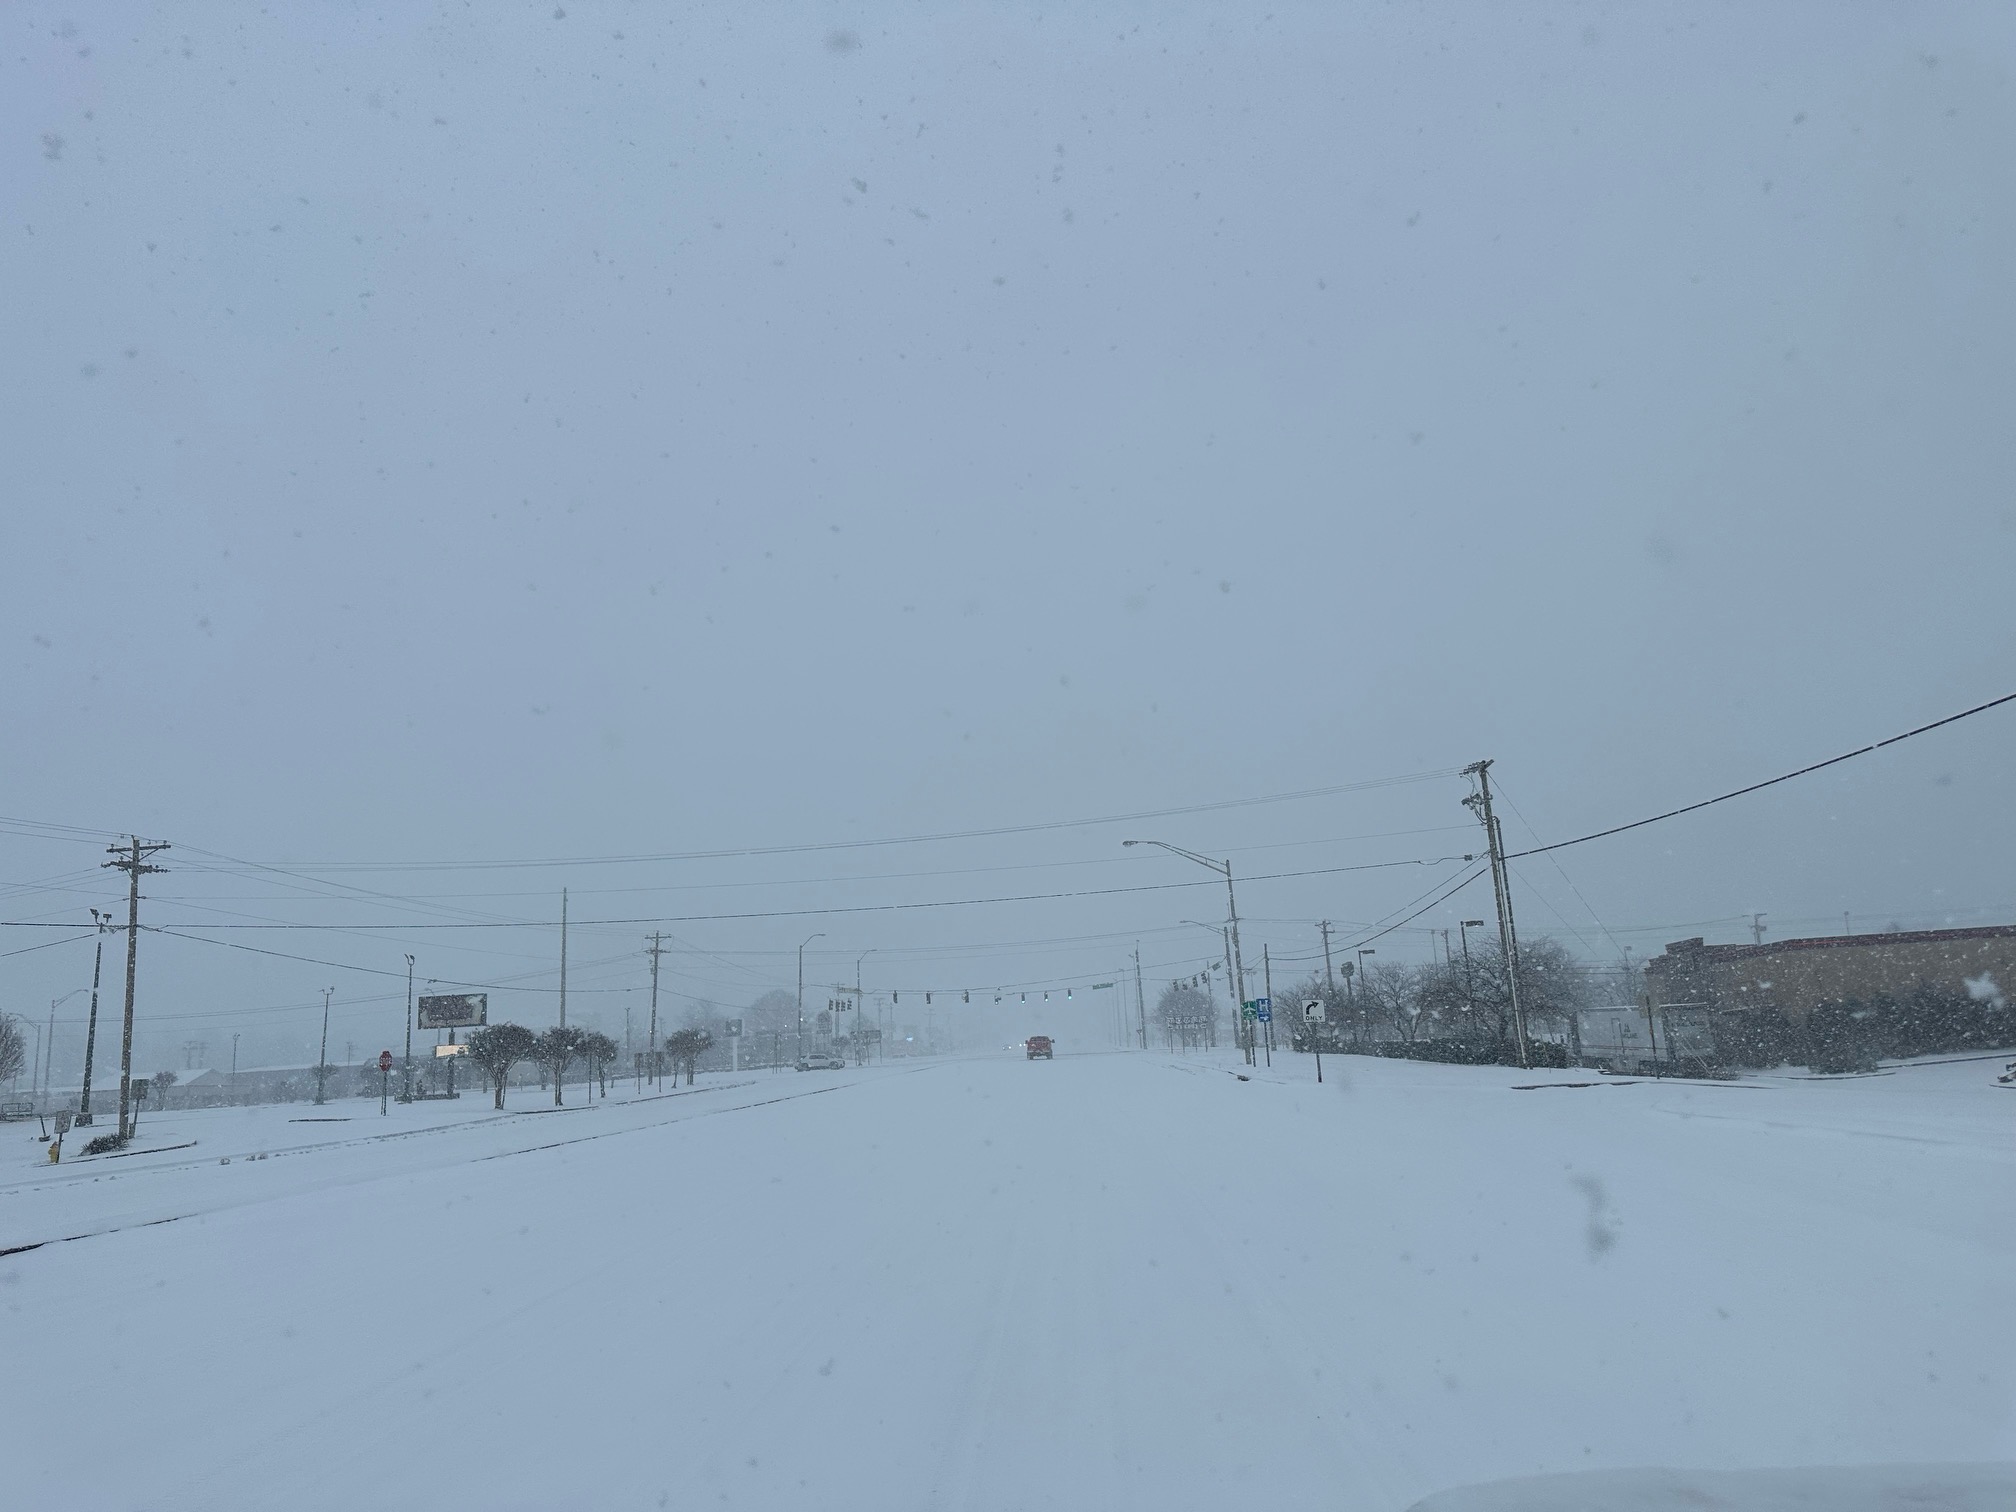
559	1048
496	1048
685	1047
599	1051
776	1012
159	1084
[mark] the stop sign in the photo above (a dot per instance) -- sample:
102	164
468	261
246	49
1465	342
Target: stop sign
384	1060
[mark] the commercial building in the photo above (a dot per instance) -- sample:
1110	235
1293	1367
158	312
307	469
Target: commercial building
1902	992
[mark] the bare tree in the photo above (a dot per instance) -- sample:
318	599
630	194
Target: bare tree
1389	994
13	1048
559	1048
497	1048
1552	986
1184	1014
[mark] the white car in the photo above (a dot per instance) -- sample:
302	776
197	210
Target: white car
821	1060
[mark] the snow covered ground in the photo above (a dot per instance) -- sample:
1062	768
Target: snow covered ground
1112	1281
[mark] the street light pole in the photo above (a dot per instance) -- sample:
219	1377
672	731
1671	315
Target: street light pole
322	1060
801	990
1238	1021
234	1070
49	1046
406	1076
861	1055
1232	903
104	922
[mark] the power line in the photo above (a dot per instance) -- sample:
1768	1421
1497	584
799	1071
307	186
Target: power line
833	845
800	913
1541	850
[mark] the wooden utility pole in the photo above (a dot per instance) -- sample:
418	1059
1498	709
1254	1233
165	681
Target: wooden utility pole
657	949
1329	977
1140	997
131	858
563	958
1501	888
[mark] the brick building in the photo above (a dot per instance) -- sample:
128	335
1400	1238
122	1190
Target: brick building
1906	992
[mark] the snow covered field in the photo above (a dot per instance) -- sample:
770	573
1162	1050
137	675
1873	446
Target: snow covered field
1112	1281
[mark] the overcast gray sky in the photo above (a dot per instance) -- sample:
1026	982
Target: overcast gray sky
578	430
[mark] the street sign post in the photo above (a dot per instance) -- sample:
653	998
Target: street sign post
384	1079
1312	1015
1263	1009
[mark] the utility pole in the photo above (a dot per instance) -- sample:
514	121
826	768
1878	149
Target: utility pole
131	858
1140	996
406	1076
1368	987
1756	929
104	922
1501	888
563	958
1329	977
233	1089
656	949
322	1058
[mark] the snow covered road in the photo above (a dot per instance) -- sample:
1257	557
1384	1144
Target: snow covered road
1105	1281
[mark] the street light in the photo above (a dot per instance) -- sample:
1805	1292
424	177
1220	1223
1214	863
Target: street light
49	1051
801	990
322	1060
103	923
1224	868
1238	1023
861	1050
406	1072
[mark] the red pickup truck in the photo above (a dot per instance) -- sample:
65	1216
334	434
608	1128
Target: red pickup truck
1038	1044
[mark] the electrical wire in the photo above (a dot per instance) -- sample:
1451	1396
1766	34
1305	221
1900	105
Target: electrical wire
917	839
1756	787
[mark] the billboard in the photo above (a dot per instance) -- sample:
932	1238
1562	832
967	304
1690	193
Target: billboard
460	1011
